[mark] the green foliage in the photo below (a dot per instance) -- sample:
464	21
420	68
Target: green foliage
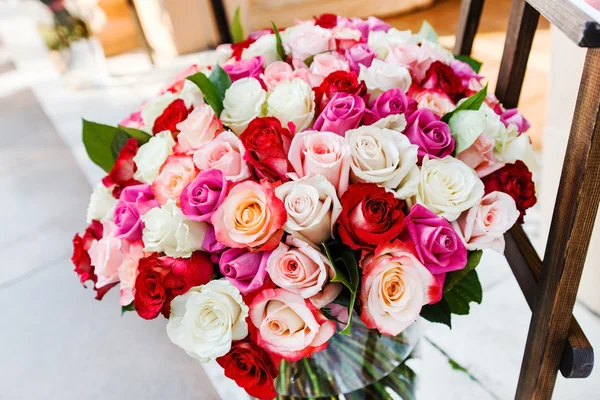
237	31
278	42
427	32
438	312
127	308
472	103
464	291
453	277
213	88
475	64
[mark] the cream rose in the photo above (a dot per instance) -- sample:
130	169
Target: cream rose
167	230
101	205
151	156
382	76
205	320
515	146
312	208
300	268
199	127
326	63
225	153
292	101
243	102
448	187
306	40
385	157
154	109
381	41
265	47
483	226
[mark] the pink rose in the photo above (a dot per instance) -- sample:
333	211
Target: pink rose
211	245
480	156
370	25
435	100
107	255
301	269
433	136
251	217
414	57
324	153
466	73
134	202
199	127
387	305
134	120
174	175
225	153
306	40
343	112
128	272
326	63
288	325
250	68
245	270
201	197
483	226
360	54
514	116
390	102
276	73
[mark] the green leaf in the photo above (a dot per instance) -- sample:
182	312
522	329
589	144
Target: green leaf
475	64
427	32
127	308
309	60
98	139
220	79
118	142
472	103
209	91
346	272
141	136
278	43
237	32
438	312
465	291
454	277
466	126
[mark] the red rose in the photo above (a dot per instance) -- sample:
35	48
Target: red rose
161	279
238	48
175	113
370	216
442	77
81	258
267	144
251	368
327	21
338	81
121	174
515	180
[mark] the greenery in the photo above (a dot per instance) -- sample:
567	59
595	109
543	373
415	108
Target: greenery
213	88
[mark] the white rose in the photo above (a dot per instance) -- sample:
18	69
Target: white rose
264	46
167	230
382	76
102	203
516	146
381	41
292	101
346	33
306	40
467	125
243	102
152	155
191	94
154	109
312	208
448	187
205	320
385	157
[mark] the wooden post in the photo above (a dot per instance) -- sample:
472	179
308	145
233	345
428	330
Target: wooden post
468	22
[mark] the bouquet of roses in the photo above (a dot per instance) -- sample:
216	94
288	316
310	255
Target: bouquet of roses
336	166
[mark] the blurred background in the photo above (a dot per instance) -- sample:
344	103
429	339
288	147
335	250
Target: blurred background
61	61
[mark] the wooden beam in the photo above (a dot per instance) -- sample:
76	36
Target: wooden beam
468	22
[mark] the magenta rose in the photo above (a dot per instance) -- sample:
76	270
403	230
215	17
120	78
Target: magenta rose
202	196
211	245
360	54
465	72
514	116
251	68
438	246
245	270
343	112
390	102
134	202
370	25
433	136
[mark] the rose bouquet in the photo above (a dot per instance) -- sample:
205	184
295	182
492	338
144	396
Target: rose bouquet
336	167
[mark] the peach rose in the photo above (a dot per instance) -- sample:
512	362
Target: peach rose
225	153
435	100
174	175
307	40
304	270
483	226
480	156
324	153
251	217
199	127
395	286
288	325
128	272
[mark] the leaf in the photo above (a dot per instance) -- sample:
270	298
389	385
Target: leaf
475	64
209	91
472	103
427	32
237	32
346	272
118	142
98	139
220	79
278	43
453	277
127	308
465	291
141	136
466	126
438	312
309	60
